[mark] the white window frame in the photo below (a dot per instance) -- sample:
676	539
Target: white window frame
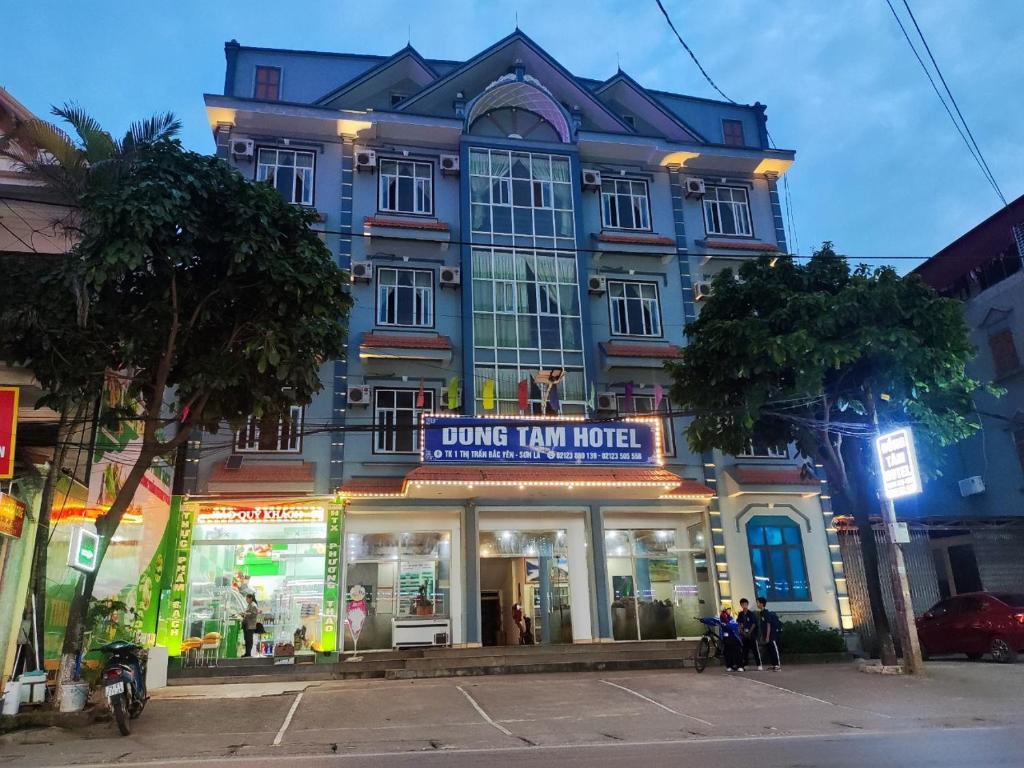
769	452
637	193
653	305
422	296
301	172
422	186
384	438
247	439
740	211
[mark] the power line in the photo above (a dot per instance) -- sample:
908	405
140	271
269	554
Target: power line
938	71
928	74
689	51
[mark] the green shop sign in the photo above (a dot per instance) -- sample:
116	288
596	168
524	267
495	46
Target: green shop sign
332	575
84	552
172	609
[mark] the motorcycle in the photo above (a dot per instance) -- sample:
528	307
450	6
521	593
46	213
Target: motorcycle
124	682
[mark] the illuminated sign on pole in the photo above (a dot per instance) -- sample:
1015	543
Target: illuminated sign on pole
898	462
84	550
8	430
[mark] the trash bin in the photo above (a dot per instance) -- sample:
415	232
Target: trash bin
73	697
12	697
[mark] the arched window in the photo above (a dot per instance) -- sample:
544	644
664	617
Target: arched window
777	558
510	107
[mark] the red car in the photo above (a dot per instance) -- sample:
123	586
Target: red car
975	623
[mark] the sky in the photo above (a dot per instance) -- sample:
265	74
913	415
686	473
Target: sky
880	170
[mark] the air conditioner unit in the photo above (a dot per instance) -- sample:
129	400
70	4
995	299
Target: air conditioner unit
606	401
243	147
450	165
451	277
695	187
362	270
597	284
701	290
591	178
366	159
972	486
359	396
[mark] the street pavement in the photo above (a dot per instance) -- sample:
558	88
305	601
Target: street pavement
964	714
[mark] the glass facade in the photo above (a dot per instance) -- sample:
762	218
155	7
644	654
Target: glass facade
777	558
526	299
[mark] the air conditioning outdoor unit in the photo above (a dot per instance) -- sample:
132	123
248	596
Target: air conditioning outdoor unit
701	290
591	178
597	284
359	396
366	159
972	486
243	147
420	633
451	277
606	402
362	270
695	187
450	165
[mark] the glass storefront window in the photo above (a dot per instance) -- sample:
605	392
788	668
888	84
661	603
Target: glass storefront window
653	584
403	574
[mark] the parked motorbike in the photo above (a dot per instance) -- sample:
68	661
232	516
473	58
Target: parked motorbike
124	682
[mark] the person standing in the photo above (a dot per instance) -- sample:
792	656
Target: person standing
769	628
250	618
747	621
732	647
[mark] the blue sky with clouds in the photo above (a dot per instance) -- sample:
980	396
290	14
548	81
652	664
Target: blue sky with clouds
880	170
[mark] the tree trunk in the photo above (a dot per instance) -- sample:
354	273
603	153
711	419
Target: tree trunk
861	500
37	579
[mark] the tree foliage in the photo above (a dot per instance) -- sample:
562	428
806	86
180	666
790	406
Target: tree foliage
811	354
202	296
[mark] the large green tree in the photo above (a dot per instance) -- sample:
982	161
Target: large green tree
203	295
811	354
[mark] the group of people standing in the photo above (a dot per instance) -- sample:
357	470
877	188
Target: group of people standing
746	635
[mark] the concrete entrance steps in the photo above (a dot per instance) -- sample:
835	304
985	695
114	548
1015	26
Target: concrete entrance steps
454	662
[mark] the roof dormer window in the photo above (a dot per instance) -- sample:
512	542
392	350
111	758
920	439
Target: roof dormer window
267	84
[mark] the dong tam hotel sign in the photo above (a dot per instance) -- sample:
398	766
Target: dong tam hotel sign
512	440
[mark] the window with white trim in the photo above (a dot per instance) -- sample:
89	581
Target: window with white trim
643	405
289	172
405	297
396	419
625	204
759	449
406	186
727	211
635	309
271	433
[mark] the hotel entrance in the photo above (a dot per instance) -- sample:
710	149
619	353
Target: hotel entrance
524	588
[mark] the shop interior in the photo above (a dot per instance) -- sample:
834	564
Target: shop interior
529	569
281	564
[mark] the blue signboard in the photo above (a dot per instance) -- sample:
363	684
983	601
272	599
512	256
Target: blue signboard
550	441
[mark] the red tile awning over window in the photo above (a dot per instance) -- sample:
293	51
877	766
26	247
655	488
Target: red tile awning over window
265	472
379	221
635	239
740	245
766	476
620	349
400	341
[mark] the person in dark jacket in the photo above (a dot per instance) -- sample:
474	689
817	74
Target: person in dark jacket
732	645
747	621
769	627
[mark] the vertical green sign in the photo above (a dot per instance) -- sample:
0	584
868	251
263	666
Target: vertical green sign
332	575
172	618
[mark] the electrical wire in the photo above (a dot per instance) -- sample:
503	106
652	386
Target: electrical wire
928	74
938	71
690	51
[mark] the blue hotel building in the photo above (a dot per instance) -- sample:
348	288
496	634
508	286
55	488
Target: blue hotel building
504	220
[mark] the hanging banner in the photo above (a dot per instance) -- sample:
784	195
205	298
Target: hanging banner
179	578
8	430
332	575
533	440
12	516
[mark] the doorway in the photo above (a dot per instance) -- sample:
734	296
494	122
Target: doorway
524	581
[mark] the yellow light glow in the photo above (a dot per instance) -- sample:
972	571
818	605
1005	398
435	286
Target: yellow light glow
680	158
776	165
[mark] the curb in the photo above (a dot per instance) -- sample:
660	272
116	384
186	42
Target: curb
50	718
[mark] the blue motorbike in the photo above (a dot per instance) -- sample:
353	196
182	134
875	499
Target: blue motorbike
124	682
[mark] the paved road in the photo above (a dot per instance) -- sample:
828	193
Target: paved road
964	714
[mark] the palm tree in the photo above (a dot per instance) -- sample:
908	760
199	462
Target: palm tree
70	166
